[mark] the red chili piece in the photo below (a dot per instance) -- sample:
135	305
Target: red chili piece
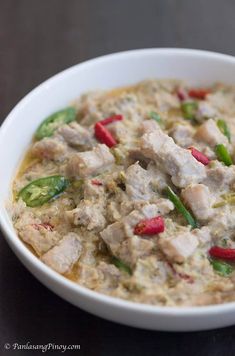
150	226
103	135
198	93
200	157
96	182
182	95
222	253
111	119
185	276
46	226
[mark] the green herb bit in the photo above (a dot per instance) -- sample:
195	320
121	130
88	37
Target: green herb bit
223	155
222	268
189	109
181	208
121	265
222	125
54	121
155	116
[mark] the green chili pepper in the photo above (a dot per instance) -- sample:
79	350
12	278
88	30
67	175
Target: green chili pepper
189	109
222	268
52	122
155	116
181	208
223	154
222	125
121	265
41	190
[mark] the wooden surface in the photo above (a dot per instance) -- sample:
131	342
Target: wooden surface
38	39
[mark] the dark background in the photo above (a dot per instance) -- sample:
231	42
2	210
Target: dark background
38	39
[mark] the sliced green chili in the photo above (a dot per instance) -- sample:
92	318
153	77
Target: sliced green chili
189	109
155	116
222	268
223	154
121	265
41	190
222	125
52	122
181	208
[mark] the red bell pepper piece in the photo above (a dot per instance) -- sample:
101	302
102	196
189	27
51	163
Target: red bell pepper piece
103	135
150	226
111	119
222	253
200	157
198	93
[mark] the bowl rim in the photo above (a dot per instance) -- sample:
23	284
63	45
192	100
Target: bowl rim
17	245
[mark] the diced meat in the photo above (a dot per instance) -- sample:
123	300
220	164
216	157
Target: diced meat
148	126
222	224
50	148
113	236
176	161
164	206
203	235
147	211
120	237
93	191
36	234
138	183
198	199
205	110
210	133
178	248
119	131
110	274
182	135
88	163
134	248
75	134
89	276
159	179
219	176
63	256
88	214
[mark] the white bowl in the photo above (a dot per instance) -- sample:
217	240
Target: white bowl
198	68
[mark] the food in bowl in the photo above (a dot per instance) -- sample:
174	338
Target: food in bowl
130	193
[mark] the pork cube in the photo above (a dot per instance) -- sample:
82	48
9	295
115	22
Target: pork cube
88	214
219	176
178	248
138	183
182	135
62	257
148	126
88	163
75	135
210	133
50	148
176	161
113	236
199	199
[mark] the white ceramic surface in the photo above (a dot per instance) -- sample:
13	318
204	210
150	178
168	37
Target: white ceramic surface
198	68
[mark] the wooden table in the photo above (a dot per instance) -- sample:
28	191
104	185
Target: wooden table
38	39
